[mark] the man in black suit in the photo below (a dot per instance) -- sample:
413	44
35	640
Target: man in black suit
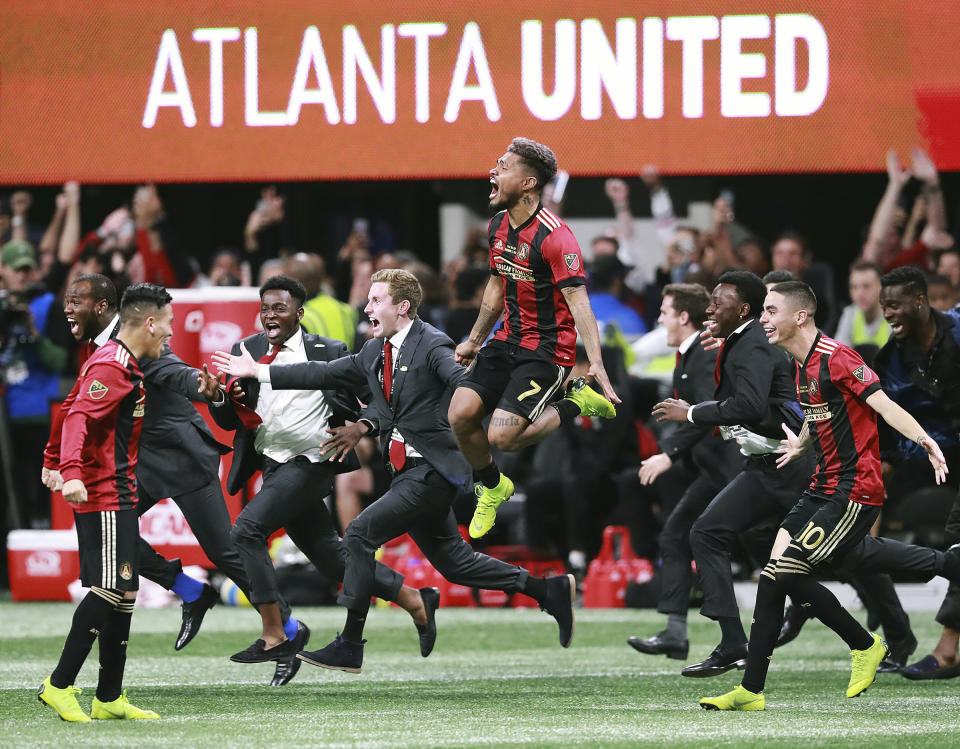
179	458
300	441
755	394
409	371
683	313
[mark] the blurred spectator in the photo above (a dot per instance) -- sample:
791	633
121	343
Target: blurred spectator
273	267
751	254
679	260
605	283
948	264
465	305
265	235
355	249
862	322
322	314
942	294
227	269
33	351
777	276
433	308
790	252
623	241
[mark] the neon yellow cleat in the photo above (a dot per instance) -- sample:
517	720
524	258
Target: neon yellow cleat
591	403
738	699
863	669
64	701
120	709
488	500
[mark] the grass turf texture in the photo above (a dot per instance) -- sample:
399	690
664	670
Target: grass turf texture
496	678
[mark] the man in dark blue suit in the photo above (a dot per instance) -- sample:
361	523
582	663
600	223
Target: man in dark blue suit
409	370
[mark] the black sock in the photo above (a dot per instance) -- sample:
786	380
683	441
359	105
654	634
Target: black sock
731	632
567	409
535	587
89	618
767	618
113	651
353	629
490	476
825	606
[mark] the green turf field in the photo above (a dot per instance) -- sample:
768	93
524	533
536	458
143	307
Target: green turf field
496	678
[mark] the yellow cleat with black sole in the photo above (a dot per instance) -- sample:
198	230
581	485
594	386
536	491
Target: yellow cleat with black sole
488	500
591	403
863	667
738	699
120	709
64	701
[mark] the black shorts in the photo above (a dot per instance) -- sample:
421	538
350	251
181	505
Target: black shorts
514	379
825	528
108	549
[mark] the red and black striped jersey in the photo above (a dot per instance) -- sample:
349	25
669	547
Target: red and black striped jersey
101	431
832	386
536	260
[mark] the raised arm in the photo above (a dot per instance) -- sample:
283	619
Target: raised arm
886	209
491	307
171	372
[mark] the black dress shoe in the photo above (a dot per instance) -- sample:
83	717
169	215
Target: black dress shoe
561	590
928	668
900	650
287	668
793	621
718	662
257	652
339	655
193	613
428	632
661	644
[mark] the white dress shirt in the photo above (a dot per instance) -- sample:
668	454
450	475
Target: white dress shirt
101	340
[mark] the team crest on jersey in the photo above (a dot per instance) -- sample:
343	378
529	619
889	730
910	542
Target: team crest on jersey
813	386
498	245
97	390
524	252
126	570
863	373
572	259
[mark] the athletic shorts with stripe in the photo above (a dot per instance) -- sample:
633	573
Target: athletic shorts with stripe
514	379
108	549
823	528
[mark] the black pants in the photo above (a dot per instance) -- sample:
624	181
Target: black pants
949	613
292	498
874	555
760	492
418	502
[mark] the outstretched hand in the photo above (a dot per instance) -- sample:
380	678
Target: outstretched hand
789	448
671	409
243	365
599	374
208	385
937	460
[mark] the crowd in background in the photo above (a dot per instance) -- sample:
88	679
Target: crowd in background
581	478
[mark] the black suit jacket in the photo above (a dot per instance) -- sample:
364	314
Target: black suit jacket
424	378
757	389
693	382
344	405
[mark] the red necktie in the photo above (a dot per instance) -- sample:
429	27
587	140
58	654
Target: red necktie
398	451
676	364
718	367
248	417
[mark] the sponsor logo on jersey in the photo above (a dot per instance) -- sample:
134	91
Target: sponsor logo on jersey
572	260
97	390
498	245
816	411
513	271
140	404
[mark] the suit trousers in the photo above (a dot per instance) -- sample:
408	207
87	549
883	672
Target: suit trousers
759	492
949	613
292	498
419	503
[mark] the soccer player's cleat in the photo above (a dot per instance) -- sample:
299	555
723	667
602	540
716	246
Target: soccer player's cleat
591	403
863	669
738	699
64	701
488	500
120	709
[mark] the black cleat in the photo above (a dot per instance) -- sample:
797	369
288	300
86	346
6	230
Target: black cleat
718	662
258	653
428	633
339	655
193	613
561	590
287	668
900	650
793	621
661	644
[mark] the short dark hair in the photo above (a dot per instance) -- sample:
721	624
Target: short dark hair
691	298
801	296
861	264
536	157
937	279
750	289
101	287
606	238
141	300
285	283
908	276
794	236
778	276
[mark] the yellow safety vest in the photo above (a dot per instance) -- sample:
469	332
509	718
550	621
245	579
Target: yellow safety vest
326	316
859	334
